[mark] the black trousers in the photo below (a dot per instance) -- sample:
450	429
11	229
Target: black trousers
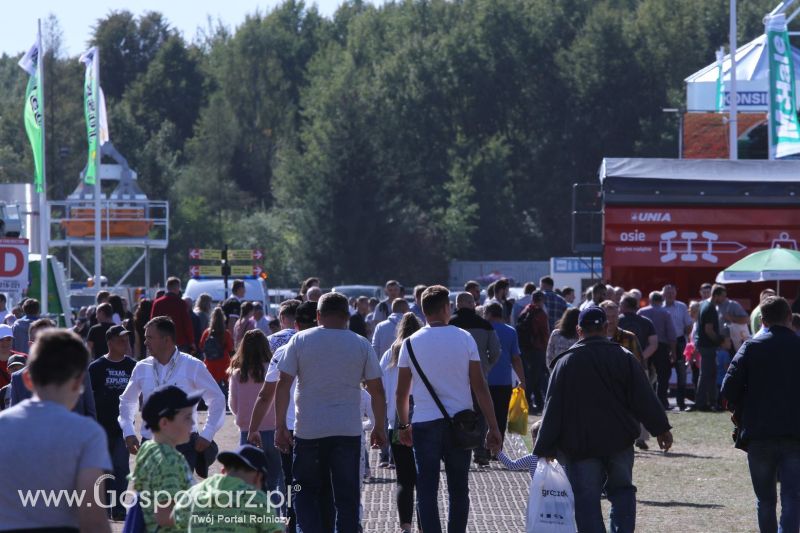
286	463
501	397
406	471
663	371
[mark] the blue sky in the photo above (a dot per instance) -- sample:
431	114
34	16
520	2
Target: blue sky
18	18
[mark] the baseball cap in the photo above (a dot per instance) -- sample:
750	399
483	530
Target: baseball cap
251	456
592	316
16	360
116	331
6	331
306	313
164	402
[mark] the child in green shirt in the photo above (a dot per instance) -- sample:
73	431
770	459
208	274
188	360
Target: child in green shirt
161	473
231	501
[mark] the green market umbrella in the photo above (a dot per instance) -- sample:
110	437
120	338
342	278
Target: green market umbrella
775	264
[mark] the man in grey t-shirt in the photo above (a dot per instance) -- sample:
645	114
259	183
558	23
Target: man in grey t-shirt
330	362
55	452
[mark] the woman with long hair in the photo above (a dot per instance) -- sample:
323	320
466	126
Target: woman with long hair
246	372
216	345
202	309
403	455
244	324
564	335
140	318
119	308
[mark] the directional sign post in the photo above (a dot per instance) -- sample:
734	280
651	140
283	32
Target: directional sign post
223	267
214	254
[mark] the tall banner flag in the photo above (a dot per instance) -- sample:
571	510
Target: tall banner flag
94	107
34	112
783	124
720	82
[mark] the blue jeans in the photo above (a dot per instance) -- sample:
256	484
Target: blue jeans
327	471
769	460
119	462
274	479
589	476
433	444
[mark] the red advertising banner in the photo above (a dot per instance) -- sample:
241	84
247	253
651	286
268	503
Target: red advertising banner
694	236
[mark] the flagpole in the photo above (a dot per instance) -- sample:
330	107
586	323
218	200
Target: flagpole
732	123
44	229
97	181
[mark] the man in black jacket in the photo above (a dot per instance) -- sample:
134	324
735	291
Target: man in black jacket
761	388
597	397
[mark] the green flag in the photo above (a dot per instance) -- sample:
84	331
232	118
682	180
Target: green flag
784	127
33	111
90	108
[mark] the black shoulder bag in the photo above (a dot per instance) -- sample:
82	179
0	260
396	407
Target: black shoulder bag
464	428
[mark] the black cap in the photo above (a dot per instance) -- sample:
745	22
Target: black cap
165	401
592	316
306	313
16	360
116	331
251	456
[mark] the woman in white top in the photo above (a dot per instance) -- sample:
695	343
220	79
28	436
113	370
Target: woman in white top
403	455
564	335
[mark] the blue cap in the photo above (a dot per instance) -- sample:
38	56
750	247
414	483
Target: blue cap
592	316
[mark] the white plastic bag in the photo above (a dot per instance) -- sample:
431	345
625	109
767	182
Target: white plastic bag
551	505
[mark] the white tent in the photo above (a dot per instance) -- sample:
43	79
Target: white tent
752	77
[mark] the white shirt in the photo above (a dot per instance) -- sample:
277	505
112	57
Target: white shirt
444	354
390	386
188	374
273	374
3	314
263	324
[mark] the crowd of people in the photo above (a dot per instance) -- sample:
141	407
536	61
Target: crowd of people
429	378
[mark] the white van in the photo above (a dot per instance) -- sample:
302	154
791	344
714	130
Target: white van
255	290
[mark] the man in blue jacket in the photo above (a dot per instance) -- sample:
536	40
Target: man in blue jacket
761	388
597	397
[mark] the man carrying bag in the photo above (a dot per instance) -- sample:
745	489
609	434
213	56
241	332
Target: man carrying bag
445	366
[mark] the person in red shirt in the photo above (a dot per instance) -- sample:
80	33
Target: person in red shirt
216	345
173	306
6	341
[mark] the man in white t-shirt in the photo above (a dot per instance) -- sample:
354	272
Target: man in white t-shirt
448	356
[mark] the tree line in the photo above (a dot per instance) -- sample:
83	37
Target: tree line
381	141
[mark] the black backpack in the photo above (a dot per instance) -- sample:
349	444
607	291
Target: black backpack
212	350
525	329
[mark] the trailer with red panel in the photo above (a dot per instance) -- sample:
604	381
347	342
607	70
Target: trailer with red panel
683	221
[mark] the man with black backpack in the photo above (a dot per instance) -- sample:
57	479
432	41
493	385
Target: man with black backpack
533	333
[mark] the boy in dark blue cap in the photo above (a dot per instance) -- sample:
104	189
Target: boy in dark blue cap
161	471
230	500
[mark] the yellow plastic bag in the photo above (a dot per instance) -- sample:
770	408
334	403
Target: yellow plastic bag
518	412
